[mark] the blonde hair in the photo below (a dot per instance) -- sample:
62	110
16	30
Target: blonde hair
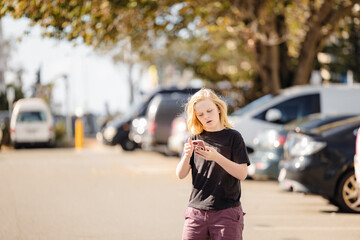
193	123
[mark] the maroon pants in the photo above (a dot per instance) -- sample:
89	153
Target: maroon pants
214	225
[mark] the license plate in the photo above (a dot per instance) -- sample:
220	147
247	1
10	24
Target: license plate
32	130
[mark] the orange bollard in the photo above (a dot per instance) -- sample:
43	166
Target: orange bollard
79	134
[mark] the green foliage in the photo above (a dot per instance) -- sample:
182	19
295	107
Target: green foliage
274	41
60	133
4	105
344	49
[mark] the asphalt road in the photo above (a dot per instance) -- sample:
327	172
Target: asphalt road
103	193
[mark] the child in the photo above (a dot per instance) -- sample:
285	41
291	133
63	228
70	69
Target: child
214	210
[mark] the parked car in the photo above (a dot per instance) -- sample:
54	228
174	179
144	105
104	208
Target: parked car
268	151
269	145
161	112
178	135
32	123
272	112
117	131
357	158
319	160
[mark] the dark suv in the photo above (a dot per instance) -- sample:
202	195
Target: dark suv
269	145
161	112
117	130
319	159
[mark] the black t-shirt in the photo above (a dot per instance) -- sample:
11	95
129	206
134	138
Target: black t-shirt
213	187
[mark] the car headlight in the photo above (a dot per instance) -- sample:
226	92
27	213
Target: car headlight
109	133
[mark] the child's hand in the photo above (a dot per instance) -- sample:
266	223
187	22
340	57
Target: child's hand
209	154
188	148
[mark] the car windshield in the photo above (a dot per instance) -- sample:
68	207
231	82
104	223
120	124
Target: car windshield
252	105
31	116
133	110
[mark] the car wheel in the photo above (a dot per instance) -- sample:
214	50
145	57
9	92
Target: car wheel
331	200
348	194
128	145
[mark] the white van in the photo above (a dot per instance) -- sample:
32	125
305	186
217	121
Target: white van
272	112
31	123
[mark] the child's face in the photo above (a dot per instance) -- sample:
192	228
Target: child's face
208	114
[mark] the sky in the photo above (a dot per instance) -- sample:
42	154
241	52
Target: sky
94	79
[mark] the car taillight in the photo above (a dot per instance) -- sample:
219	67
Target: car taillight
12	130
259	165
280	140
152	127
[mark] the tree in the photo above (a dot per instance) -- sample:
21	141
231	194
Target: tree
342	52
280	39
284	36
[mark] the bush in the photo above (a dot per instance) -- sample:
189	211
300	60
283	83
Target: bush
60	133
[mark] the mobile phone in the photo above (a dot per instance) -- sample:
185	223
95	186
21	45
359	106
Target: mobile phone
199	143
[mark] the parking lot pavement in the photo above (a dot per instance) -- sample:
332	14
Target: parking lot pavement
103	193
275	214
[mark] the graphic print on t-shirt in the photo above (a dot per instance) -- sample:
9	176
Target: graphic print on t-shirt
213	187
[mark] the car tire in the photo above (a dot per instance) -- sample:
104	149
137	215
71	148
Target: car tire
348	193
331	200
128	145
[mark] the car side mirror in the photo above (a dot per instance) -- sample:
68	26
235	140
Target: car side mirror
273	115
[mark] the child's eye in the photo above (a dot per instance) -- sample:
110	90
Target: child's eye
210	110
200	115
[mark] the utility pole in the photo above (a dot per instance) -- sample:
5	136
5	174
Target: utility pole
129	60
38	87
10	94
68	116
2	61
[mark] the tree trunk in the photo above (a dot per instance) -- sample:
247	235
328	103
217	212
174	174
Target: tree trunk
275	69
307	56
312	42
267	65
130	83
267	57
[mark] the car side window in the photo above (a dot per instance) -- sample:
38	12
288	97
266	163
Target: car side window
295	108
